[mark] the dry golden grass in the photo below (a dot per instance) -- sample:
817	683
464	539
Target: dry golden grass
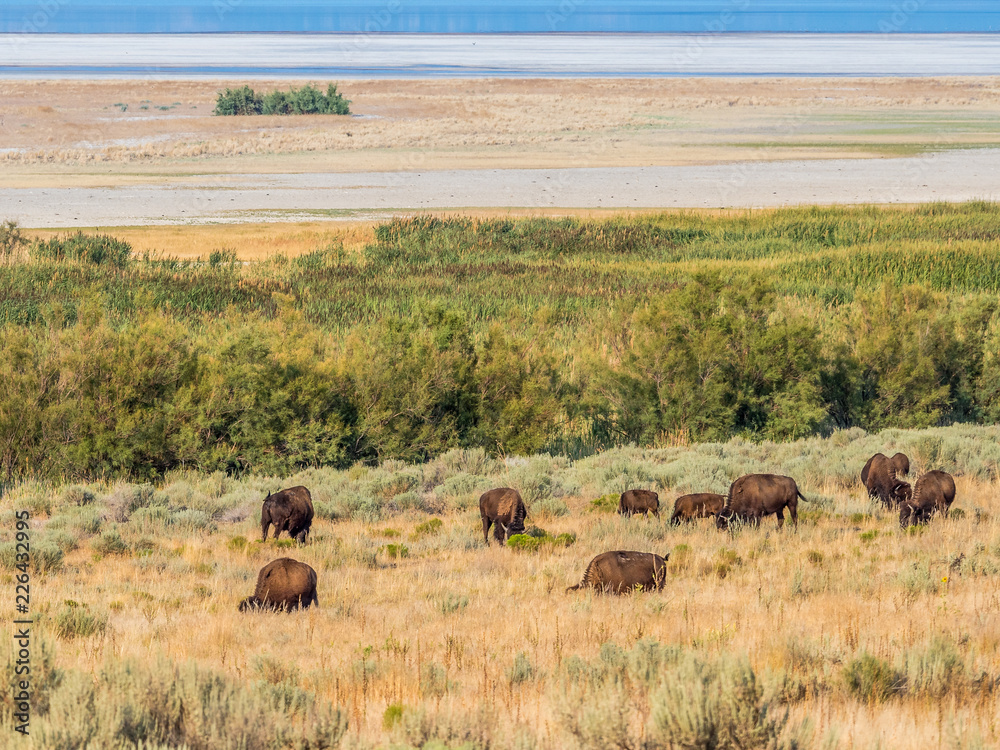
75	132
835	587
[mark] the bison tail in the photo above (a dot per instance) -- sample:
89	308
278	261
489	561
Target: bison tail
801	495
574	588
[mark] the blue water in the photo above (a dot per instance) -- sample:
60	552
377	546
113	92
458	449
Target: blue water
489	16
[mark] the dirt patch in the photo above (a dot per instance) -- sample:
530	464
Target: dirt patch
107	133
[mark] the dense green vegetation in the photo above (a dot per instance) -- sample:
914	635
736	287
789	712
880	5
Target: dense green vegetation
515	335
307	100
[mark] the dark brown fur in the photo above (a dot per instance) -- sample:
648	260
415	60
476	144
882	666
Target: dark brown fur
639	501
754	496
289	510
934	492
283	584
504	507
880	477
620	572
698	505
902	464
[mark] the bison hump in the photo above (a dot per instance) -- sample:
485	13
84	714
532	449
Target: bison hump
507	504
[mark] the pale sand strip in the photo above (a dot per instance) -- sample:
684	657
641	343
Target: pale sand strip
946	176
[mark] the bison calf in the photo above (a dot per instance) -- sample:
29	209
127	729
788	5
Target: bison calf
621	572
697	505
754	496
639	501
290	510
283	584
934	492
505	508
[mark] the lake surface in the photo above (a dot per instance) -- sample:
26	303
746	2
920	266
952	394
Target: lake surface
493	17
363	55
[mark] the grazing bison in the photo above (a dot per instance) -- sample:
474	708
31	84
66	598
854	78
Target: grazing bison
289	510
880	477
621	572
698	505
284	584
934	491
639	501
504	507
754	496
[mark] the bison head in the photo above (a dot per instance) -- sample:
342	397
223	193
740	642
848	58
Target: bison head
516	527
902	492
250	603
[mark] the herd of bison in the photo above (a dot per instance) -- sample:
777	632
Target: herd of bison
287	584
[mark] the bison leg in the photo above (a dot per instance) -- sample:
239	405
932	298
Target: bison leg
780	513
793	512
301	536
264	527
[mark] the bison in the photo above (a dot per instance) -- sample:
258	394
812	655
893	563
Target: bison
754	496
289	510
620	572
283	584
934	491
698	505
504	507
639	501
880	477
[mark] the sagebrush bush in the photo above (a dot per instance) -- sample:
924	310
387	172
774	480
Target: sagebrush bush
74	620
871	679
161	704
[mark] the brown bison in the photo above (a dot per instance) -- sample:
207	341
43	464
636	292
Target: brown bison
284	584
289	510
504	507
754	496
698	505
934	491
639	501
621	572
881	478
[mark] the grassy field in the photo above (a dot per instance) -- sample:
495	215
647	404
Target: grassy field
843	633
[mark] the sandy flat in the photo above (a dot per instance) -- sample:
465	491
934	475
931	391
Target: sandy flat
946	176
128	152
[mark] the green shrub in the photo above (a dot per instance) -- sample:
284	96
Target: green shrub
433	680
552	507
521	670
237	543
605	503
77	495
535	538
871	679
302	101
395	551
392	715
160	704
98	249
718	705
432	526
453	603
73	620
110	542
